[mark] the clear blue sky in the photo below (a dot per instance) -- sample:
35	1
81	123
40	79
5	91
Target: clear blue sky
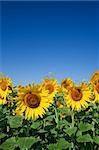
43	37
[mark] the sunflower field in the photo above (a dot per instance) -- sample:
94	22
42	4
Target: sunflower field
49	116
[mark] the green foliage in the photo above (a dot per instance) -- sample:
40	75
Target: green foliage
70	130
35	125
26	142
2	135
9	144
61	144
84	138
77	130
15	121
21	142
96	139
85	126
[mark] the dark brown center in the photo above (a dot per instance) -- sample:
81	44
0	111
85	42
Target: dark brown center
65	84
50	88
32	100
76	94
3	86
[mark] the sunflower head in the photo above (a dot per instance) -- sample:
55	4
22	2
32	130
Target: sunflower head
78	96
95	82
66	84
97	86
5	88
32	101
95	77
5	83
51	86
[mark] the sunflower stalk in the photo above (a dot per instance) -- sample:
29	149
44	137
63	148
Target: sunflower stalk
72	117
56	117
93	129
72	125
8	129
28	128
44	124
93	122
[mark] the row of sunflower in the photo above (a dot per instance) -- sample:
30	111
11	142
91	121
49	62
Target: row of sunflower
49	116
33	100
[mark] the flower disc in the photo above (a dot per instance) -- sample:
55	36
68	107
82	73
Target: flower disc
78	96
95	83
5	89
32	101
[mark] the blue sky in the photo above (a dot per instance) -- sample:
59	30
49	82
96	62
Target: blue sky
60	39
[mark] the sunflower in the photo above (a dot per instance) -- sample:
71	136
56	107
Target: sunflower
95	82
5	89
78	96
95	77
51	86
32	101
66	84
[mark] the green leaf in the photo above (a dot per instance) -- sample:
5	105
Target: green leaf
71	131
78	133
22	142
84	138
35	125
97	131
15	121
96	139
9	144
53	131
3	112
96	115
2	135
52	147
64	123
26	142
61	144
64	110
85	127
49	118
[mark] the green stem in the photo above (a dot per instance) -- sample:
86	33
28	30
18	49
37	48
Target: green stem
56	117
8	129
28	129
93	129
44	124
73	123
72	117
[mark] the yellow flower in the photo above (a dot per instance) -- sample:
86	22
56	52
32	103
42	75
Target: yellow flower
95	82
5	89
66	84
51	86
78	96
95	77
32	101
